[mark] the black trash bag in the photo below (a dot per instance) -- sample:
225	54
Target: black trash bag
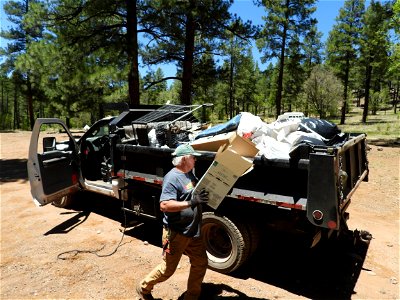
178	138
338	140
323	127
303	146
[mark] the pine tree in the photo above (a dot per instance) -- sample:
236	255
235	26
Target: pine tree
181	31
72	75
21	36
234	50
261	91
394	68
374	48
247	82
312	48
343	45
97	28
152	91
294	79
285	20
204	79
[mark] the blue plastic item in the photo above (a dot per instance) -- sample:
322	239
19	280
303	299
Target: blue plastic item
229	126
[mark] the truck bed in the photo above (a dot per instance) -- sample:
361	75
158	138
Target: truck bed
324	180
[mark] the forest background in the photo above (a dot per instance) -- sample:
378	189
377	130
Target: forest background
67	58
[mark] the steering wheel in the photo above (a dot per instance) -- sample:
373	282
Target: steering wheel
103	140
100	142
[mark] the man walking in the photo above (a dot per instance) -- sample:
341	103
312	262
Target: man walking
182	221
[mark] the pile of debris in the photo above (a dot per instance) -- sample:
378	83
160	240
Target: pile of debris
284	138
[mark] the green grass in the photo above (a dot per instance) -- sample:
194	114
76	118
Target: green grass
384	126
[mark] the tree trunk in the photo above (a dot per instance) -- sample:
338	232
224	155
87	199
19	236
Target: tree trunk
358	97
278	99
396	98
186	96
346	83
132	53
5	113
2	97
2	110
368	73
231	88
29	99
15	117
226	105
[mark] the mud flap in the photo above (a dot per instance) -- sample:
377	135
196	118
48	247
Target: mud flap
322	198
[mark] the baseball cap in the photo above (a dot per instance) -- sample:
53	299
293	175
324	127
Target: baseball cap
185	149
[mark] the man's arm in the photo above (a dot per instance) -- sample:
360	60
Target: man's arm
173	205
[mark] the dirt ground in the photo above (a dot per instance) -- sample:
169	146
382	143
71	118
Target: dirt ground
38	259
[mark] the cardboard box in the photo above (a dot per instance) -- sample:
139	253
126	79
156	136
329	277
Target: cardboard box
242	146
225	170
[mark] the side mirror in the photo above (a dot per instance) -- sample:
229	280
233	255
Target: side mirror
49	144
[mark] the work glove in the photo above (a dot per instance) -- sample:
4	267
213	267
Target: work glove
198	198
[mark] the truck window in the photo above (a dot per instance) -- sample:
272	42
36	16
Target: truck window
99	131
53	137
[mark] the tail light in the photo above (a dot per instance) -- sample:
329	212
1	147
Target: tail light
332	224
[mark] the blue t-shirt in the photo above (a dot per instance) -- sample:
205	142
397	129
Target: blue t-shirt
178	186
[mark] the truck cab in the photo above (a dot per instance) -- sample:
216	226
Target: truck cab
61	163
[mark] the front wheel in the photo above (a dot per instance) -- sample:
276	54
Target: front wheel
228	244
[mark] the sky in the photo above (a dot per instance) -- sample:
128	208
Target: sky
327	11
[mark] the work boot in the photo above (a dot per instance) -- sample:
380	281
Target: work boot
143	296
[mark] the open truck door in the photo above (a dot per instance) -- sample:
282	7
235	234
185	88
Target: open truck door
53	162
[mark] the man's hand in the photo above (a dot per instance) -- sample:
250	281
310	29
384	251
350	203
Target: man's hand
198	198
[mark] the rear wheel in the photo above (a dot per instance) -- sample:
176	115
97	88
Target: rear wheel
255	236
63	202
228	244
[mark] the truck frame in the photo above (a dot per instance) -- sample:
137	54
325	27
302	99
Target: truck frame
307	194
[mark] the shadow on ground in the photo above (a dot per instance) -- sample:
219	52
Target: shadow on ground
328	271
77	219
13	170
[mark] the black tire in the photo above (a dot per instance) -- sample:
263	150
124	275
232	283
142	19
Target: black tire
228	244
64	202
255	236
